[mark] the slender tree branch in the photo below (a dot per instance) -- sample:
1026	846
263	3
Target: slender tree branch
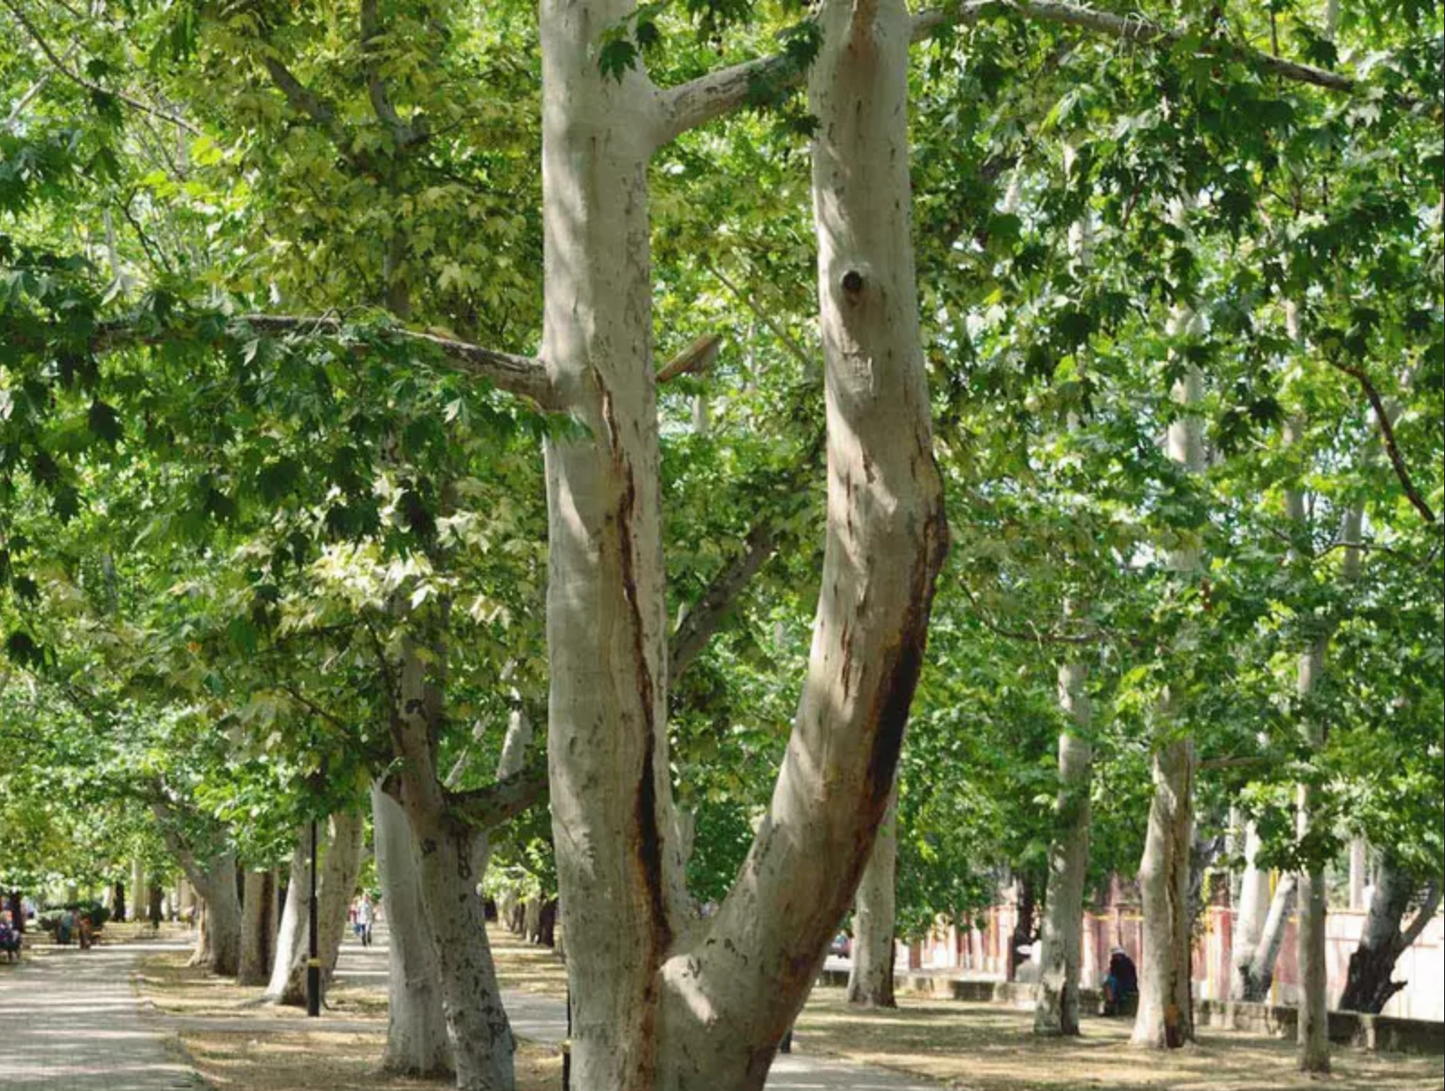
1387	433
291	690
75	77
1037	636
749	301
699	101
706	615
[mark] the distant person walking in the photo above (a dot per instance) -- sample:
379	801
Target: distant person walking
363	916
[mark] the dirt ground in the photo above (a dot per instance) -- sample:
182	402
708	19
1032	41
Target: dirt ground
270	1054
966	1047
984	1047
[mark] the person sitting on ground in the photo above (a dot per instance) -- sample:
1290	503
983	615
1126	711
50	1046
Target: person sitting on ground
1122	984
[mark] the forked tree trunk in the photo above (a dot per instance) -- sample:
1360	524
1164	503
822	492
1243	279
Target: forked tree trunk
1061	951
291	939
1369	981
659	1001
1166	1011
478	1031
416	1034
258	928
1249	922
870	978
339	868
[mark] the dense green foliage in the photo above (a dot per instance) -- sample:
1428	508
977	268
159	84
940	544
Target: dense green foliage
213	531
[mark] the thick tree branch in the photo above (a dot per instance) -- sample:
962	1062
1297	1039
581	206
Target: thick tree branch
697	358
523	376
1422	920
90	85
703	619
1387	433
487	808
305	101
697	102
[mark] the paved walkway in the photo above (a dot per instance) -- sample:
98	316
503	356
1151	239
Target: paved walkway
72	1023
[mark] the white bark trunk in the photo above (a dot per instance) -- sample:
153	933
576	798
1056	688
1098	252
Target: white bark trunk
870	978
416	1038
1260	973
660	1002
606	621
1254	906
1061	950
1166	1015
291	934
340	866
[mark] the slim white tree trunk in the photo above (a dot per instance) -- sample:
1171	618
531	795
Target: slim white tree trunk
1314	1013
1314	1040
336	882
291	934
1166	1016
416	1037
1249	922
1061	950
870	978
